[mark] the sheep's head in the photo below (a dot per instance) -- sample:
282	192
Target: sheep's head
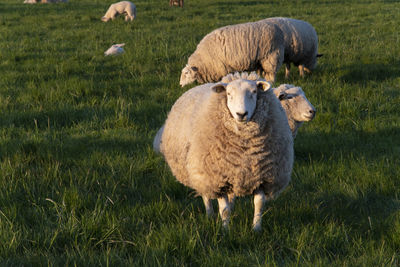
295	103
105	19
241	97
189	75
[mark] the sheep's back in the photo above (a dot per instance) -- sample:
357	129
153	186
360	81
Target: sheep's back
235	48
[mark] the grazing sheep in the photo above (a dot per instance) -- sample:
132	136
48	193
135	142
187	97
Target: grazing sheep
115	50
233	138
296	105
30	1
53	1
301	43
176	3
123	7
240	47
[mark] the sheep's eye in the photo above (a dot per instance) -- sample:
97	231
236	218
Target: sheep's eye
282	96
253	92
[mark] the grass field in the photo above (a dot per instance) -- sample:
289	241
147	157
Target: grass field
80	184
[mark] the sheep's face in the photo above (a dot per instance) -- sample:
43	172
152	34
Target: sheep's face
188	75
295	102
241	97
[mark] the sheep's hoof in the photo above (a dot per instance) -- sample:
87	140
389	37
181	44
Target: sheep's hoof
257	228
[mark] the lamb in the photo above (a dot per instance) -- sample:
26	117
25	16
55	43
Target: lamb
232	139
176	3
123	7
301	44
240	47
30	1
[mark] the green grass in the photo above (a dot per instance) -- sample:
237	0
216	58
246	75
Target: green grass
80	184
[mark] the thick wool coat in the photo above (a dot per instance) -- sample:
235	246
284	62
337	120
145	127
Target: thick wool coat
209	151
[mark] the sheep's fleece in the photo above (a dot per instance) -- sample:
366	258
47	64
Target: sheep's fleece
211	152
241	47
301	43
124	7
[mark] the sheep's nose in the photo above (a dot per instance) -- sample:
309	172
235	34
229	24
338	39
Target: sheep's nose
312	112
241	115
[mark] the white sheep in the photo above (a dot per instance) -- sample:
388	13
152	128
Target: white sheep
240	47
124	7
296	105
115	50
293	100
233	138
301	43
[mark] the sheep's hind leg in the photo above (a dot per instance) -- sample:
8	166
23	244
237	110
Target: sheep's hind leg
259	200
208	206
231	199
224	210
301	70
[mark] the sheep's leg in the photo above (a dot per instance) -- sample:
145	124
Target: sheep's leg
271	65
208	205
224	210
301	70
231	199
287	70
259	200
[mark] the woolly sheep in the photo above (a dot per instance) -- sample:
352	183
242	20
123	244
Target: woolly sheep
240	47
301	43
293	100
232	139
123	7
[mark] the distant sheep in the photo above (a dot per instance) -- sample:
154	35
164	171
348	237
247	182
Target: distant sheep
240	47
301	43
44	1
176	3
30	1
123	7
233	138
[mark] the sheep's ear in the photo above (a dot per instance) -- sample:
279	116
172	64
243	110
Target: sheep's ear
320	55
263	85
219	87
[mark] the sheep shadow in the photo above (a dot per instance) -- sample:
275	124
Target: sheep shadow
360	73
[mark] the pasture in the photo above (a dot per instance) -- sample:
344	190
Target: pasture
80	184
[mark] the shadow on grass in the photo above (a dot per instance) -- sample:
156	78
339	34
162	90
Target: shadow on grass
362	73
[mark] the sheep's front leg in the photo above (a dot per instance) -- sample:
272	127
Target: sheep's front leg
224	210
259	200
208	205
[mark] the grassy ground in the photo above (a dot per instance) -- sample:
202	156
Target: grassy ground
80	184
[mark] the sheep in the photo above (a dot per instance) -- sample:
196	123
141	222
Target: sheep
44	1
293	100
30	1
176	3
115	50
296	105
301	44
229	139
240	47
123	7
